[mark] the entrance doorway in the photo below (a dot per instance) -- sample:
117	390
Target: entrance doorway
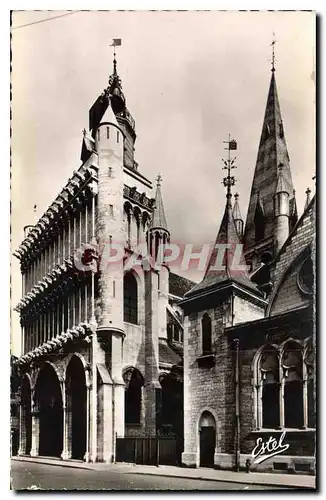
49	402
207	439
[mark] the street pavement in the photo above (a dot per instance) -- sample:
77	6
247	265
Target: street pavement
36	476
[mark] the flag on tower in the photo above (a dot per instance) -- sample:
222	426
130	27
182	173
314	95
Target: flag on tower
232	145
116	42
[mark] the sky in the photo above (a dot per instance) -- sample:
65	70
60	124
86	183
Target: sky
190	79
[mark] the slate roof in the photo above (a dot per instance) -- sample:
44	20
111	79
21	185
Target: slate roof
178	285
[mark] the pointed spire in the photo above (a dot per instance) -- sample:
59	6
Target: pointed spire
236	208
308	198
272	152
159	219
237	216
226	262
293	211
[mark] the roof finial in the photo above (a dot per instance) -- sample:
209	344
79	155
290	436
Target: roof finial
273	52
158	180
308	192
229	180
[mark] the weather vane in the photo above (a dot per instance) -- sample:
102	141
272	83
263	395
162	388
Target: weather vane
116	42
229	180
158	180
273	52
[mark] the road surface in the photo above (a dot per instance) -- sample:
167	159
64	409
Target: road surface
35	476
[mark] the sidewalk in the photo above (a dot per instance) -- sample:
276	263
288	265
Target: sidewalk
286	480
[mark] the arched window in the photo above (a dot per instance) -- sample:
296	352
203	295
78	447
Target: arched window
206	326
130	298
293	385
134	382
269	387
306	277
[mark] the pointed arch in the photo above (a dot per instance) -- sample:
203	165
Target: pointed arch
268	383
292	374
134	381
49	403
76	406
295	262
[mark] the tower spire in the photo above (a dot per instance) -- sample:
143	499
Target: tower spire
259	234
227	249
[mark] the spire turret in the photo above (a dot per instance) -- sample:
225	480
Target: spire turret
281	210
158	232
238	221
293	211
308	198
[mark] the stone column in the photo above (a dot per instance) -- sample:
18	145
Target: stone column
190	455
66	452
87	456
151	351
22	431
35	431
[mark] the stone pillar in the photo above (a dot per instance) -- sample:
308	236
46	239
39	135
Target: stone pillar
66	410
87	456
110	228
190	455
163	300
22	431
151	351
35	433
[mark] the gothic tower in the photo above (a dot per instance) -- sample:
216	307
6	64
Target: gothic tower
260	235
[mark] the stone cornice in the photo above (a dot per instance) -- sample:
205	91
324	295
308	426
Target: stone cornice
131	193
83	331
50	285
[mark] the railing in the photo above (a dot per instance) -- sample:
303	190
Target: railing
158	450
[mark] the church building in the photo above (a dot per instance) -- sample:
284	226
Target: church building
136	363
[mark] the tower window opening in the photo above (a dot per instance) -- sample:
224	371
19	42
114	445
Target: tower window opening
118	136
206	334
111	210
98	135
110	172
108	132
130	293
